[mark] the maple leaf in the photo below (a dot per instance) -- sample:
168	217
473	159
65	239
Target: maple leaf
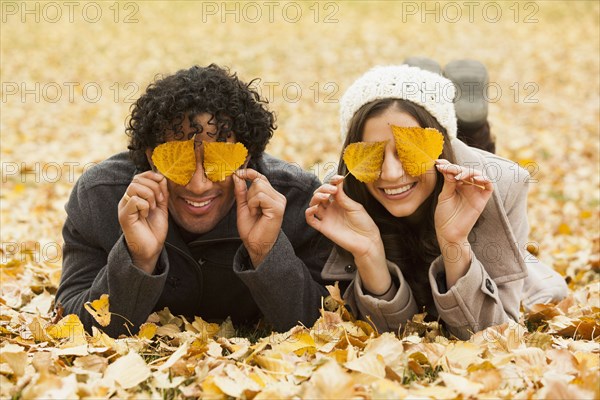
176	160
99	310
222	159
418	148
364	160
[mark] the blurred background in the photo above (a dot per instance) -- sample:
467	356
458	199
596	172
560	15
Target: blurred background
71	70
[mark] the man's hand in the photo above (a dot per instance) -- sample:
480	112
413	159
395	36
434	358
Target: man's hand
260	211
143	215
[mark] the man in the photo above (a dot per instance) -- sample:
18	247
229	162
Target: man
239	247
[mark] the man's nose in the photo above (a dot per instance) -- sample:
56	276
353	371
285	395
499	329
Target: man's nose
199	182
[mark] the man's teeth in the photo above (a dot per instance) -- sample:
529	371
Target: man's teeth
202	204
398	190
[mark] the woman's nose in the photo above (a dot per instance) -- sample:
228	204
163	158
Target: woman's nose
391	169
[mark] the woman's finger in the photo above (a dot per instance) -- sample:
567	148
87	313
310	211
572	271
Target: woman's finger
321	199
311	218
334	180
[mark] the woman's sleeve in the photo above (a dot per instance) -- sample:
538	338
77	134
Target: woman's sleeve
476	302
387	312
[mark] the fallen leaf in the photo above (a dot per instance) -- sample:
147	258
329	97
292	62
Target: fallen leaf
99	310
221	159
147	330
418	148
69	327
176	160
128	371
364	160
15	356
370	364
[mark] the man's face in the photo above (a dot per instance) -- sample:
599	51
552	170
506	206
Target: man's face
199	206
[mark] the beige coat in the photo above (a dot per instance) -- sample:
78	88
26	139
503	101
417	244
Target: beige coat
501	275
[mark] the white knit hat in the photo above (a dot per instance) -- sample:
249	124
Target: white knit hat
427	89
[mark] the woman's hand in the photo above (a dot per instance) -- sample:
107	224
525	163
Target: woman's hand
463	197
347	223
342	219
460	203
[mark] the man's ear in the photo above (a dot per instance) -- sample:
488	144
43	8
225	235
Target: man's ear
149	157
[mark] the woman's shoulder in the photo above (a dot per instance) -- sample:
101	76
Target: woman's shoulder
507	175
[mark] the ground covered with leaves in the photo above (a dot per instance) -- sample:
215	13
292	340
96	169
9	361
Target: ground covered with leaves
67	84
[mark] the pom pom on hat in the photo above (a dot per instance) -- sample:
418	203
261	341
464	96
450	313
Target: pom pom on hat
427	89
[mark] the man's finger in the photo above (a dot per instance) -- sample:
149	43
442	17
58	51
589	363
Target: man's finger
250	174
240	191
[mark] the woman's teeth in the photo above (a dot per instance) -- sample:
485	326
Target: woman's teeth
398	190
202	204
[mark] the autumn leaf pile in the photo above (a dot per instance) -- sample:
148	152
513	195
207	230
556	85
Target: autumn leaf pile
547	118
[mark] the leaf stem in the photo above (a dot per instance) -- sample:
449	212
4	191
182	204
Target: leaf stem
474	184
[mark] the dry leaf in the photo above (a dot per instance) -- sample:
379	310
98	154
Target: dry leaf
128	371
176	160
418	148
147	330
222	159
15	356
370	364
364	160
99	310
69	327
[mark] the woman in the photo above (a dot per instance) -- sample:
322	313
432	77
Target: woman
450	241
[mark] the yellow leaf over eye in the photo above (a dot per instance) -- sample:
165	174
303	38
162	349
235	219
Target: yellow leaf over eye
99	310
222	159
364	160
418	148
176	160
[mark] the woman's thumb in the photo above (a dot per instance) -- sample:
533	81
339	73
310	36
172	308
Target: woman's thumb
343	199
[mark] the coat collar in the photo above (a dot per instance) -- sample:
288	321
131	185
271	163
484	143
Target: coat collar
492	239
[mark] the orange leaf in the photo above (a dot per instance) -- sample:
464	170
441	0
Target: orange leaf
364	160
176	160
222	159
418	148
99	310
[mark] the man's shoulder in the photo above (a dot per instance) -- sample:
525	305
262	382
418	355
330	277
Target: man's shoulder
282	174
114	171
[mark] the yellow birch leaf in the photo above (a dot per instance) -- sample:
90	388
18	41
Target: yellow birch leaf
364	160
99	310
37	329
418	148
223	159
147	330
176	160
68	327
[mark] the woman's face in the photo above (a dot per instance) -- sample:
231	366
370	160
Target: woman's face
400	193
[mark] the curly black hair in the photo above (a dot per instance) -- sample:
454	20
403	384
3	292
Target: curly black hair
233	105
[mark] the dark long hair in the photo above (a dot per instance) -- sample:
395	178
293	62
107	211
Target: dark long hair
404	244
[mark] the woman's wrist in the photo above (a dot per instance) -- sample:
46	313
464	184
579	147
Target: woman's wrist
373	270
373	256
457	259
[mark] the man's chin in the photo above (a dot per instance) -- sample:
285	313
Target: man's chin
198	226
